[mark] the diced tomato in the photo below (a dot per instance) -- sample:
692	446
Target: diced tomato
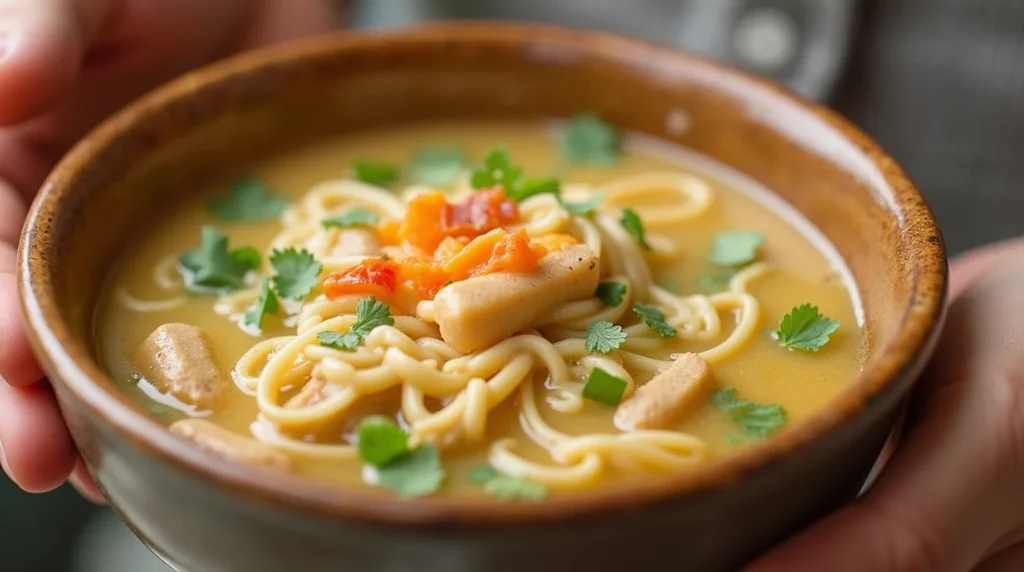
553	242
423	278
371	277
430	219
496	251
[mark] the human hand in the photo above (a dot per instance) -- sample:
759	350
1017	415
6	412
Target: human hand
64	66
952	495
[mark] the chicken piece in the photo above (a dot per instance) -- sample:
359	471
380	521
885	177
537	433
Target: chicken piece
479	312
659	403
177	360
231	446
318	388
356	242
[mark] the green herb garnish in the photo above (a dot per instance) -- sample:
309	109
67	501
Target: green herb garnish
588	139
505	487
496	170
247	200
603	337
735	247
633	225
266	304
604	387
804	328
438	166
756	420
654	319
610	293
370	313
157	411
355	217
213	267
374	173
380	440
586	207
297	273
715	281
414	474
531	187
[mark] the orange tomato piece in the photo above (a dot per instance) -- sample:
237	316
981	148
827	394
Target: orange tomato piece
496	251
554	242
430	219
371	277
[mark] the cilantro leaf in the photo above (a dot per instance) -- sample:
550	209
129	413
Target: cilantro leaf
588	139
414	474
496	170
374	173
804	328
654	319
370	313
380	440
213	267
586	207
355	217
247	200
507	488
633	225
604	387
297	273
603	337
481	475
756	420
610	293
515	488
267	303
531	187
338	341
735	247
715	281
438	166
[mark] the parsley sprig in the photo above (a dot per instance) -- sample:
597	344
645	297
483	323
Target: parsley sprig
610	293
735	248
634	226
266	304
370	314
297	273
357	216
438	166
247	200
805	328
604	337
411	473
588	139
654	319
498	169
505	487
756	420
213	267
374	173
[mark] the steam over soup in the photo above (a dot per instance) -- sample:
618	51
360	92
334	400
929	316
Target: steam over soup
480	308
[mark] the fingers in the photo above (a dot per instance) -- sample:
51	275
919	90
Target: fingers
42	46
18	367
967	267
82	481
38	452
12	215
953	487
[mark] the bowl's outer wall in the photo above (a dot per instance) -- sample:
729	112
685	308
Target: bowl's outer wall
836	178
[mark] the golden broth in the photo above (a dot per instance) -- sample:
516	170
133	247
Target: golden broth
764	372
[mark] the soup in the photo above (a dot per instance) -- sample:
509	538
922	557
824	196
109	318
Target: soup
483	308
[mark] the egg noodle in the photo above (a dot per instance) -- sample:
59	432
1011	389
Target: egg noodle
446	397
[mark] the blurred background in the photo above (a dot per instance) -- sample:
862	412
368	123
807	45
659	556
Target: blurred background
939	83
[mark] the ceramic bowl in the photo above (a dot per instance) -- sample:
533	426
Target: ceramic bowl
203	514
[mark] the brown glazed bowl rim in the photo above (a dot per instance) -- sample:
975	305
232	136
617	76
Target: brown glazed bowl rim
72	366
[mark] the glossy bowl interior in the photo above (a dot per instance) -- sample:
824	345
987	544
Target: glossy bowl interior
219	119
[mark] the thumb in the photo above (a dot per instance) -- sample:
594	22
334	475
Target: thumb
951	491
42	47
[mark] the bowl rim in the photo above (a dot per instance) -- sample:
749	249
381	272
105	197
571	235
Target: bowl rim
71	363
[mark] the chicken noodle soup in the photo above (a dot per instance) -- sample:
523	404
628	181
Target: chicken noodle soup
485	308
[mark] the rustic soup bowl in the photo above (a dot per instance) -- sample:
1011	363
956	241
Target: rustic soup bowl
203	514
